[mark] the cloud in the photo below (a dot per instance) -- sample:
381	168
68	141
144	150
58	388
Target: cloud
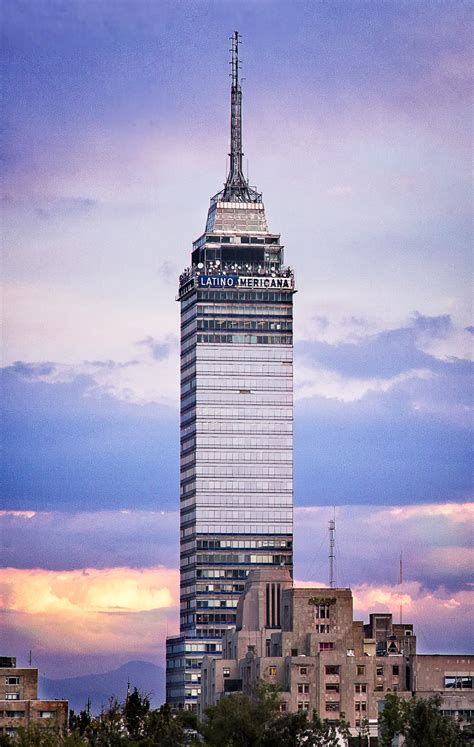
434	539
58	540
384	355
442	620
90	611
70	443
159	350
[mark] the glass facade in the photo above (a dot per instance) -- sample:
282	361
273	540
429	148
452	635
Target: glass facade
236	480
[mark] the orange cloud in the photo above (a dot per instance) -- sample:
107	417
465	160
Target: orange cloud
92	610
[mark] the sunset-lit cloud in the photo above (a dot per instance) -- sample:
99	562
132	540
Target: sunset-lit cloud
90	610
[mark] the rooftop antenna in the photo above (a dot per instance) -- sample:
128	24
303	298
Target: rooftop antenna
401	582
88	705
236	186
332	546
29	658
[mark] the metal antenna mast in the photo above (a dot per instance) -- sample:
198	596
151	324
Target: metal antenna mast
332	546
401	581
236	187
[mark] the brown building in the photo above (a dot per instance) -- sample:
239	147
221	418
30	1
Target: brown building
306	642
19	704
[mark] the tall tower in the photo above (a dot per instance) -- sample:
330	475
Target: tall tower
236	482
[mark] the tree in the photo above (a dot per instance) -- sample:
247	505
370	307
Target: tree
108	729
240	720
420	721
164	728
79	723
135	711
428	727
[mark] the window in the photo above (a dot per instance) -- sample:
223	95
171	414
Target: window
303	670
282	707
12	696
321	611
395	670
303	705
12	680
378	688
332	706
332	669
14	714
47	714
326	646
360	688
294	652
226	672
379	671
361	705
332	687
303	688
272	671
360	670
322	628
458	682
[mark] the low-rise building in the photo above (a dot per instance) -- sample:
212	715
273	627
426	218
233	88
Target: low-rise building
19	703
306	643
449	676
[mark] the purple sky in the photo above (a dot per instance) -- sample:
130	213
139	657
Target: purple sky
357	129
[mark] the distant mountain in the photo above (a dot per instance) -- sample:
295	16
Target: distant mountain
147	677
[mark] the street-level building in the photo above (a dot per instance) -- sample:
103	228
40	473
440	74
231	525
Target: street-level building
451	676
318	656
236	489
19	703
323	660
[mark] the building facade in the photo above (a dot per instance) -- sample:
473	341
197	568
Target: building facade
19	703
323	660
236	490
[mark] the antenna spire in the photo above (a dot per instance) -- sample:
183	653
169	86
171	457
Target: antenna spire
332	545
236	187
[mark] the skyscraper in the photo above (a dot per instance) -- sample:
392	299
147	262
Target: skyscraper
236	489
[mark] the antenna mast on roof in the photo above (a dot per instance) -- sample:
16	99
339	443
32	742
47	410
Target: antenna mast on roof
332	550
400	582
236	187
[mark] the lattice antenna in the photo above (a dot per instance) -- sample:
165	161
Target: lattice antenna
332	548
236	186
401	582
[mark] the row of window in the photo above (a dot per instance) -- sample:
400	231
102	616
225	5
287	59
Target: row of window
220	588
276	515
236	384
280	413
243	310
237	470
238	339
216	617
238	486
187	646
244	543
216	603
233	558
258	457
458	682
266	324
244	528
269	441
244	502
207	355
257	368
240	295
